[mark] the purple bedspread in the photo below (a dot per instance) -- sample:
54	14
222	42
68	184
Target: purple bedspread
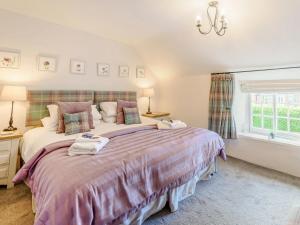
134	168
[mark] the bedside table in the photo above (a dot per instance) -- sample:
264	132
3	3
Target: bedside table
9	145
158	115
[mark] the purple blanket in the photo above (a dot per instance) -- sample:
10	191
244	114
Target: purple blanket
134	168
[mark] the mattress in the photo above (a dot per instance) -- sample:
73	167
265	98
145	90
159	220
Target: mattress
37	138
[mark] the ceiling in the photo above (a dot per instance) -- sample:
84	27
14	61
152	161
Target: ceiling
261	33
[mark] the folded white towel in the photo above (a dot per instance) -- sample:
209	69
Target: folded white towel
87	148
175	124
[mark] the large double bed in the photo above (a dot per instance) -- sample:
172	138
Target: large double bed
137	173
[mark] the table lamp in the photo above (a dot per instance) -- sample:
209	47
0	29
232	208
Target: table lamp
13	93
148	92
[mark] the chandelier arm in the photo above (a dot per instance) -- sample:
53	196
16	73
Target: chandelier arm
221	29
216	19
202	32
222	32
210	23
209	17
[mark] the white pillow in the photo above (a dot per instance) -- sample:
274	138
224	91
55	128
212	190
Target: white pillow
49	124
53	112
108	119
95	113
110	108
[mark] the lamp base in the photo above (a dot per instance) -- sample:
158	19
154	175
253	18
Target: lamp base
148	112
10	129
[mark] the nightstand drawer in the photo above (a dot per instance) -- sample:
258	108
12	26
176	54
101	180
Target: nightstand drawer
3	172
5	145
4	158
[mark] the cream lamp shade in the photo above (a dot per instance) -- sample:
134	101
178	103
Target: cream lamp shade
14	93
148	92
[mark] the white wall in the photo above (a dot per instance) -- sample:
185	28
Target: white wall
186	97
281	157
34	37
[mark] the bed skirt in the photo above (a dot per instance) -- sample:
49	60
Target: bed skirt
172	197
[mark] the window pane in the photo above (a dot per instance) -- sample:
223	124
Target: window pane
268	105
282	124
268	110
268	123
282	111
268	99
295	112
295	125
256	99
257	121
256	109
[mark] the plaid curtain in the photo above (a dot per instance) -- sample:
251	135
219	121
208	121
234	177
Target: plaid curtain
221	119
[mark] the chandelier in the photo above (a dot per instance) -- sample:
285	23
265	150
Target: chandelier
217	23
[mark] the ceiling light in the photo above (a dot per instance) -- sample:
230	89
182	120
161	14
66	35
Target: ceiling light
217	23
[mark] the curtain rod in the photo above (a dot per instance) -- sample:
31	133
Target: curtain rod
258	70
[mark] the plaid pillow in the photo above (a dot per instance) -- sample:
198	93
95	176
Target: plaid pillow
73	107
76	123
121	104
131	116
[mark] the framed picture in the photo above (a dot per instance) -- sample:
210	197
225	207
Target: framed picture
103	69
77	66
10	59
124	71
47	63
140	72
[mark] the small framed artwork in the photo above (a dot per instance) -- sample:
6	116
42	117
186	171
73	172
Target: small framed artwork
124	71
77	66
140	72
10	59
103	69
47	63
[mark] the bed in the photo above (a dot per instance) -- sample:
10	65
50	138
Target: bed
140	171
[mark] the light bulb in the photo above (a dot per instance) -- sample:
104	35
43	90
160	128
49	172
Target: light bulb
225	22
198	20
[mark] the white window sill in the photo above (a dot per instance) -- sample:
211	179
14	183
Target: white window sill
265	138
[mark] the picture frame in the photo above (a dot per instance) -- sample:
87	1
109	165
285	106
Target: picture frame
140	72
77	66
10	59
47	63
103	69
123	71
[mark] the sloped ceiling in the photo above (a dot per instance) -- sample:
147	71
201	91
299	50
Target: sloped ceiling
261	33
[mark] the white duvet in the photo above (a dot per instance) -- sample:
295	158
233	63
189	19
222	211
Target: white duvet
37	138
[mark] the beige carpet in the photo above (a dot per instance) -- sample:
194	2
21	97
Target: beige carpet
240	194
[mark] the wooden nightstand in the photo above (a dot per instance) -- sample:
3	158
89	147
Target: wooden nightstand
9	145
158	115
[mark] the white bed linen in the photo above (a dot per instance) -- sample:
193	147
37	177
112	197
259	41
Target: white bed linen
37	138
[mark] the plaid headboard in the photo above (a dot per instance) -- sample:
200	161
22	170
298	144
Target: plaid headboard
39	99
113	96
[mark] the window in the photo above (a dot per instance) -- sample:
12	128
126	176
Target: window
275	113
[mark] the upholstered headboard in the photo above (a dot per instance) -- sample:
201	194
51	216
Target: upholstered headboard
113	96
39	99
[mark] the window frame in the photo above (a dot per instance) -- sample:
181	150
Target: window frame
267	132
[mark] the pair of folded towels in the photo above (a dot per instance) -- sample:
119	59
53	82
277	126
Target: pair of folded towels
87	145
172	124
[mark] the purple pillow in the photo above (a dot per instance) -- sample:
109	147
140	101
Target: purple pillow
73	107
120	113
